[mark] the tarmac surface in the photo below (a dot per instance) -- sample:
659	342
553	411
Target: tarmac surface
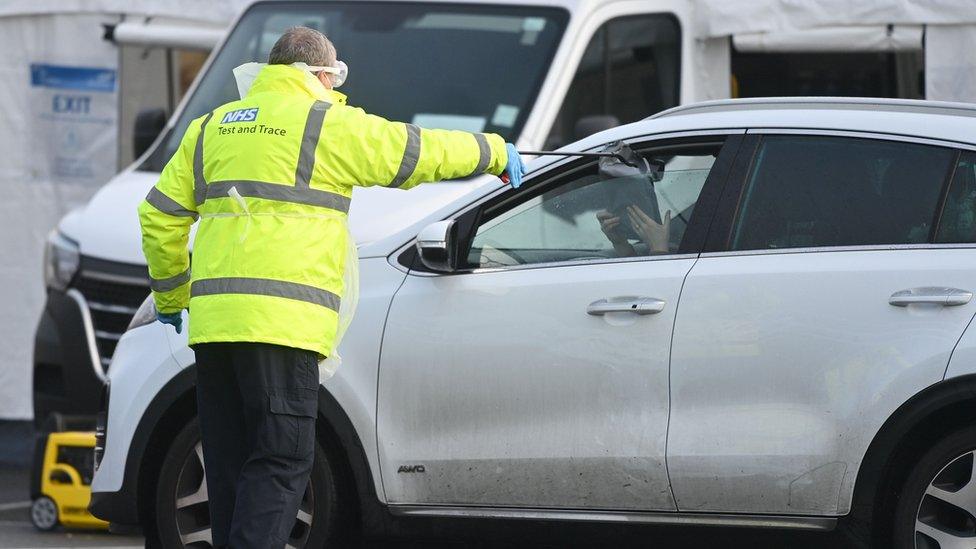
17	532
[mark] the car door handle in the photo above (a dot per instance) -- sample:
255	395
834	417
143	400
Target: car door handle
638	305
934	295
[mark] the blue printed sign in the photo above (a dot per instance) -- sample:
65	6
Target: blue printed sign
73	78
240	115
73	130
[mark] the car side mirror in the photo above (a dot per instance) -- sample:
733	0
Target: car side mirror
594	123
148	125
436	246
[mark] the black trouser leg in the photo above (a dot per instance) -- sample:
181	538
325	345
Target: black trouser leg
278	391
221	412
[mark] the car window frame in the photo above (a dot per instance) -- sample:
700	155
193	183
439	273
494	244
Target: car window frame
719	240
469	219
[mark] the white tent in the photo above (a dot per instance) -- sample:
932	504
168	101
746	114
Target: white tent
949	28
58	133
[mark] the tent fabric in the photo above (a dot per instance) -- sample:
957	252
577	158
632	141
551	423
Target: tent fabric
214	11
950	63
59	144
833	39
725	18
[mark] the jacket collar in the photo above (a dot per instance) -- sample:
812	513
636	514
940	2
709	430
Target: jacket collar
289	80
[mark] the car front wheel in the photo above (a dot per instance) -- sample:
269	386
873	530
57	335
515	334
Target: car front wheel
937	504
182	513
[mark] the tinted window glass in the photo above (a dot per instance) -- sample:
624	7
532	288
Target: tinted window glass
630	70
959	217
436	65
589	216
835	191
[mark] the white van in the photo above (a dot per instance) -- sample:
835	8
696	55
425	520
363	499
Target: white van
540	75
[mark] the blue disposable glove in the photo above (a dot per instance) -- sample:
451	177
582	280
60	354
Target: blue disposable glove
173	319
515	169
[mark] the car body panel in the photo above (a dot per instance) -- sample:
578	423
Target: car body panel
141	368
468	397
785	366
963	361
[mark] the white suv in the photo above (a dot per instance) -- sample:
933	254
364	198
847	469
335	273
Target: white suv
791	352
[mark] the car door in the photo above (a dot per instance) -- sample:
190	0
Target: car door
538	375
822	304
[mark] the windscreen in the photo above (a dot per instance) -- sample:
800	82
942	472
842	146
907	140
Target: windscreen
461	66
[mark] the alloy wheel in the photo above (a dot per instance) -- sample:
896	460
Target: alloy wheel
946	517
193	515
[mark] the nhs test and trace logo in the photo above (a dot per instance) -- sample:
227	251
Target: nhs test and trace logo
240	115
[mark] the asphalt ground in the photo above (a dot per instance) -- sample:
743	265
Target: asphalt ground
16	530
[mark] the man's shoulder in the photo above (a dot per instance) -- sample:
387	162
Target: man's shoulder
342	111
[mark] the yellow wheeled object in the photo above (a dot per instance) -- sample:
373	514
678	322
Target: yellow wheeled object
65	463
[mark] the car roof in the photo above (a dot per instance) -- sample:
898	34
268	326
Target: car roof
926	120
571	5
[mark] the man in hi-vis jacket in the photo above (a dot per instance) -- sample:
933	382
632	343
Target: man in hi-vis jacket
270	178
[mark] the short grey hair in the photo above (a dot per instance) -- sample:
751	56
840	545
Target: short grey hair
303	45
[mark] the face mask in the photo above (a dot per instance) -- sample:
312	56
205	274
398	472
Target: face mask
246	74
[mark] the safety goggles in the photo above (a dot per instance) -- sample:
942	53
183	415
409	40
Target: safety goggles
339	72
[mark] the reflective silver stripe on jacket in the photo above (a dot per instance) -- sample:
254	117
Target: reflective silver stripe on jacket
171	283
167	205
281	193
411	155
267	287
484	157
310	141
199	183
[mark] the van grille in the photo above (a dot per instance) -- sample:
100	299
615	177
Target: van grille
114	292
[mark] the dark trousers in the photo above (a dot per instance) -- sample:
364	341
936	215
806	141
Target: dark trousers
257	405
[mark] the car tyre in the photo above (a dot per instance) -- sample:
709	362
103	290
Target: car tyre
932	510
182	514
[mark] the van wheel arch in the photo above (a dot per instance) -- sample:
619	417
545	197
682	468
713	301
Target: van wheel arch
916	425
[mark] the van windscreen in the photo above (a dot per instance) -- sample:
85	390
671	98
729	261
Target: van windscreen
457	66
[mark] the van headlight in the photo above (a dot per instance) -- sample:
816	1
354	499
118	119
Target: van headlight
61	259
146	314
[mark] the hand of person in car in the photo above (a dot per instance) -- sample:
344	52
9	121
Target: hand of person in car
609	224
655	235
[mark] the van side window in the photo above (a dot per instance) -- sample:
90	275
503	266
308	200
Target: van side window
808	191
630	70
958	224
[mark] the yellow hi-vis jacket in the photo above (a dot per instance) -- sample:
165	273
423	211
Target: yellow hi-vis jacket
270	178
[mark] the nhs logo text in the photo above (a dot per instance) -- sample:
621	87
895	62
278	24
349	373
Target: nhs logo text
240	115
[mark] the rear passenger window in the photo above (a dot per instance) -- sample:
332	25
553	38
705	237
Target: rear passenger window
835	191
959	216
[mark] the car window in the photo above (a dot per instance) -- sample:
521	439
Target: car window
629	70
589	216
958	222
836	191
